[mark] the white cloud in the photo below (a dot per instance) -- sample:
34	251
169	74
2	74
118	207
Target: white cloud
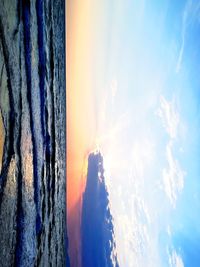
169	116
175	260
191	11
169	231
173	177
183	33
143	153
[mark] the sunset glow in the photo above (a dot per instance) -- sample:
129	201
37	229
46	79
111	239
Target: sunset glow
80	116
133	95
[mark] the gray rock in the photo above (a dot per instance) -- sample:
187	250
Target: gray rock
32	133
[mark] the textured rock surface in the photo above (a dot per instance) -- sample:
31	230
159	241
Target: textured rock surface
32	133
98	242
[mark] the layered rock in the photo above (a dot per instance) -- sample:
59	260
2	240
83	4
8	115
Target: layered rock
32	103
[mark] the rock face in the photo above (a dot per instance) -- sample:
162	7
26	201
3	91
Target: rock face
32	133
98	242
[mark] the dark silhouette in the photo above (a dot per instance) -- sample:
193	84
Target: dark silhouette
98	244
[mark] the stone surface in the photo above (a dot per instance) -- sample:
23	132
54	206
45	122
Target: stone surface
32	133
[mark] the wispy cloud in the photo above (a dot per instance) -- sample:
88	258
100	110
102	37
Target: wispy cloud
136	237
173	176
169	116
175	260
191	12
183	34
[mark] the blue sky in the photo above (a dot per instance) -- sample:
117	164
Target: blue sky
145	73
134	77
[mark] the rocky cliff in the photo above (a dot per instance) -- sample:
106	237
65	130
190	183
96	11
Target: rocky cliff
32	133
97	231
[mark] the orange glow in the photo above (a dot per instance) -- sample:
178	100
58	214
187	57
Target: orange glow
80	116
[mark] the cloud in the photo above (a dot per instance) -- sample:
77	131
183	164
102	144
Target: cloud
175	260
173	177
169	116
143	153
191	11
135	238
183	34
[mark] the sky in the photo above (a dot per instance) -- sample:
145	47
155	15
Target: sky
133	93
